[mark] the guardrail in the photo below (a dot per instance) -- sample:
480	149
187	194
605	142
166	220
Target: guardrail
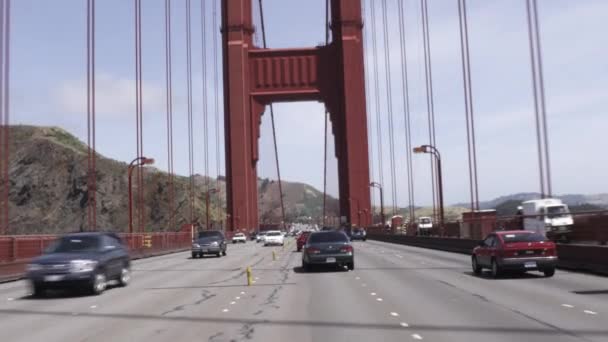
587	258
17	250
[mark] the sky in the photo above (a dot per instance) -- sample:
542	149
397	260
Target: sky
48	78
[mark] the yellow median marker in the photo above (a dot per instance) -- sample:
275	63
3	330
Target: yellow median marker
249	276
274	256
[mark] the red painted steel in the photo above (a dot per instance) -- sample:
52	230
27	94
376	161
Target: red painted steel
254	78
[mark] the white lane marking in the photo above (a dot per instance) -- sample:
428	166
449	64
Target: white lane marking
373	293
225	310
379	299
242	292
93	306
589	312
417	337
364	285
403	324
568	306
257	278
232	303
10	299
74	313
394	314
237	298
357	278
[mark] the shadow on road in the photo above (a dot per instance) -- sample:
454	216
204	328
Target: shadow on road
320	269
591	292
216	286
505	276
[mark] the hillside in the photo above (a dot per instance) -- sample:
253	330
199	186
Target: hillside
48	189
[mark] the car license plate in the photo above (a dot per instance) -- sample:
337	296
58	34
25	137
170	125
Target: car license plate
530	264
205	250
329	260
53	278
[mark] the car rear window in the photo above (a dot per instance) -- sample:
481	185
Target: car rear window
328	237
209	234
522	237
274	234
75	244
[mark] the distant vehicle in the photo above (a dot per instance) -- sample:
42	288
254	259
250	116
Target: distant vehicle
425	226
301	241
86	261
516	250
274	237
209	242
260	237
358	234
324	229
549	217
239	238
328	248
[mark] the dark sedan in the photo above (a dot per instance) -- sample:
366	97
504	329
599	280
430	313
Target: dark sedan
209	242
328	248
81	261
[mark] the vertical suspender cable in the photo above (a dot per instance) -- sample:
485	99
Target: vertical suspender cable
217	97
539	98
429	97
369	117
389	104
468	99
91	179
190	118
205	105
4	111
169	101
325	118
274	134
377	96
139	114
406	112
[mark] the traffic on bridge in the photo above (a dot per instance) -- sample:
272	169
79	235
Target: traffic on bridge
319	170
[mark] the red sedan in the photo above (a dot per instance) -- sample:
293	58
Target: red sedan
518	250
301	241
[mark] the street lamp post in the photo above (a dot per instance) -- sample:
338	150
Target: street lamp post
209	192
139	161
431	149
379	186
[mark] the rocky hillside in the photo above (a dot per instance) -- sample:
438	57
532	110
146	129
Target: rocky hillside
48	189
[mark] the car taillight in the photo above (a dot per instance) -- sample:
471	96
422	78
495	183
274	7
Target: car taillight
346	249
549	252
312	250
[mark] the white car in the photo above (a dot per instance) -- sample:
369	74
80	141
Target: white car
260	237
239	237
274	237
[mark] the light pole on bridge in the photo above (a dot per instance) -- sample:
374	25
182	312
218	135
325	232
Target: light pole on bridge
379	186
434	151
139	161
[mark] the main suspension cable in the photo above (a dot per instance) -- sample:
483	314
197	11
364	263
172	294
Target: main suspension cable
169	101
205	106
189	110
4	112
217	106
91	179
326	118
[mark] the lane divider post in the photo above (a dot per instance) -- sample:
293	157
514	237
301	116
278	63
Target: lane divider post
249	276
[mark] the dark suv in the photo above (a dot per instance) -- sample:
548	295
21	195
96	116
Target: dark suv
81	261
209	242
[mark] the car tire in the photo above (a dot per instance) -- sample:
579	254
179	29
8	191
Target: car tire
98	283
306	266
194	255
549	272
125	276
350	266
476	267
495	269
299	249
38	291
224	252
364	239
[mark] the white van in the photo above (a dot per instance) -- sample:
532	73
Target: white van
425	225
550	217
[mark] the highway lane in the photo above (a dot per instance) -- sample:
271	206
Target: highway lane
396	293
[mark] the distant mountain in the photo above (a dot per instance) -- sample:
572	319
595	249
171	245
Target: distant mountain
48	189
505	203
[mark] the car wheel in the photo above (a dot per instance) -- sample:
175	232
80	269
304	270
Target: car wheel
99	283
305	266
299	249
224	252
194	255
549	272
351	266
37	290
364	239
125	276
495	269
475	265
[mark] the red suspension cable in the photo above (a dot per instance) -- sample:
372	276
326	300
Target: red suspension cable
169	100
190	118
217	99
369	116
4	113
205	105
91	172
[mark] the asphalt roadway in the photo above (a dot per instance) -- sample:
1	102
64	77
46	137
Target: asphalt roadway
395	293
